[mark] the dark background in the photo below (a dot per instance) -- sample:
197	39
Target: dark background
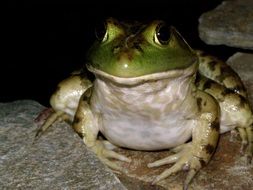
44	41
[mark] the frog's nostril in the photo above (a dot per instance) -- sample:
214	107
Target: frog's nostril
137	46
132	42
129	41
116	49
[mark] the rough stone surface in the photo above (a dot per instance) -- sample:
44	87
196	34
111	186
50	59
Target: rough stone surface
231	24
242	63
58	160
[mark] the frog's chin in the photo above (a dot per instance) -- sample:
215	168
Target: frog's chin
144	78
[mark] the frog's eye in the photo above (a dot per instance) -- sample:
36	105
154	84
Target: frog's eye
162	34
101	31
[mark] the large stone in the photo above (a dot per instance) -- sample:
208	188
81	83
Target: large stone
242	63
231	24
58	160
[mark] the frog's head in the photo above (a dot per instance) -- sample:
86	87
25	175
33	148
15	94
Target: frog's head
135	51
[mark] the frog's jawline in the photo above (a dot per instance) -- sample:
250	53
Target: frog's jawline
144	78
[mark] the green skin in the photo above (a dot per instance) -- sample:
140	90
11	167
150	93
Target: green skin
132	61
123	61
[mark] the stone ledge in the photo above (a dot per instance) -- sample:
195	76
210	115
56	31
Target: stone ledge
231	24
58	160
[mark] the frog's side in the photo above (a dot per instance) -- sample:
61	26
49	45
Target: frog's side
150	93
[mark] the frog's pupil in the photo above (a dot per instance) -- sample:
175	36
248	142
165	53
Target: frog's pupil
100	31
163	34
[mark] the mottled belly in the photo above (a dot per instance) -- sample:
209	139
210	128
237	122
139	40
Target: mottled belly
146	135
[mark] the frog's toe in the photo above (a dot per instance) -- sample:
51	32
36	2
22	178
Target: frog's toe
179	152
244	143
249	150
168	160
108	145
113	165
192	165
104	155
233	135
115	155
183	161
246	135
175	168
51	119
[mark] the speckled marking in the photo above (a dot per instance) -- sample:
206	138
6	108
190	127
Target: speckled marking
202	162
212	65
76	120
207	85
199	103
243	102
220	72
209	149
86	96
215	125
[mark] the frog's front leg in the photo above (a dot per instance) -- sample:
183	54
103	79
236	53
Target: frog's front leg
64	102
194	155
52	118
85	124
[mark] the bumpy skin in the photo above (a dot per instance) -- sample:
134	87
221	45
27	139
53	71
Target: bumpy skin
152	92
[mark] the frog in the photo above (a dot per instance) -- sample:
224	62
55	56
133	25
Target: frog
152	92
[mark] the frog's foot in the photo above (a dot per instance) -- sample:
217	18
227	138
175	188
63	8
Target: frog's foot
244	143
52	118
43	115
183	159
108	145
249	150
234	133
102	150
246	135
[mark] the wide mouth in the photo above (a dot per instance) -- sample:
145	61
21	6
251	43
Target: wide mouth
144	78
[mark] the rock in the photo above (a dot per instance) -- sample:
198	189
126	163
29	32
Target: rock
58	160
242	63
231	24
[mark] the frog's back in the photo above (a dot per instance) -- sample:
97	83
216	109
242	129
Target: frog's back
220	72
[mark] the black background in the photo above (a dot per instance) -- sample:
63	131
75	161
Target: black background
46	40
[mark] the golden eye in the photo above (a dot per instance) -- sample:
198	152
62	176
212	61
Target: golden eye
162	34
101	31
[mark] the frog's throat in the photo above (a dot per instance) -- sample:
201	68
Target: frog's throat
149	77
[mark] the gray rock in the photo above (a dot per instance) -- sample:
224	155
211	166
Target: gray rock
58	160
231	24
242	63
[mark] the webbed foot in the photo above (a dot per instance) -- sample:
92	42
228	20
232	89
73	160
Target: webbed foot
104	153
51	118
183	159
246	135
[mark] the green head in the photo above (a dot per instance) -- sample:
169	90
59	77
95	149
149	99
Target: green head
130	50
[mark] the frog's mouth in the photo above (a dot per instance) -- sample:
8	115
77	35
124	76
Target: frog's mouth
144	78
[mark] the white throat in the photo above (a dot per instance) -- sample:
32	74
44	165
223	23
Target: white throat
154	106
